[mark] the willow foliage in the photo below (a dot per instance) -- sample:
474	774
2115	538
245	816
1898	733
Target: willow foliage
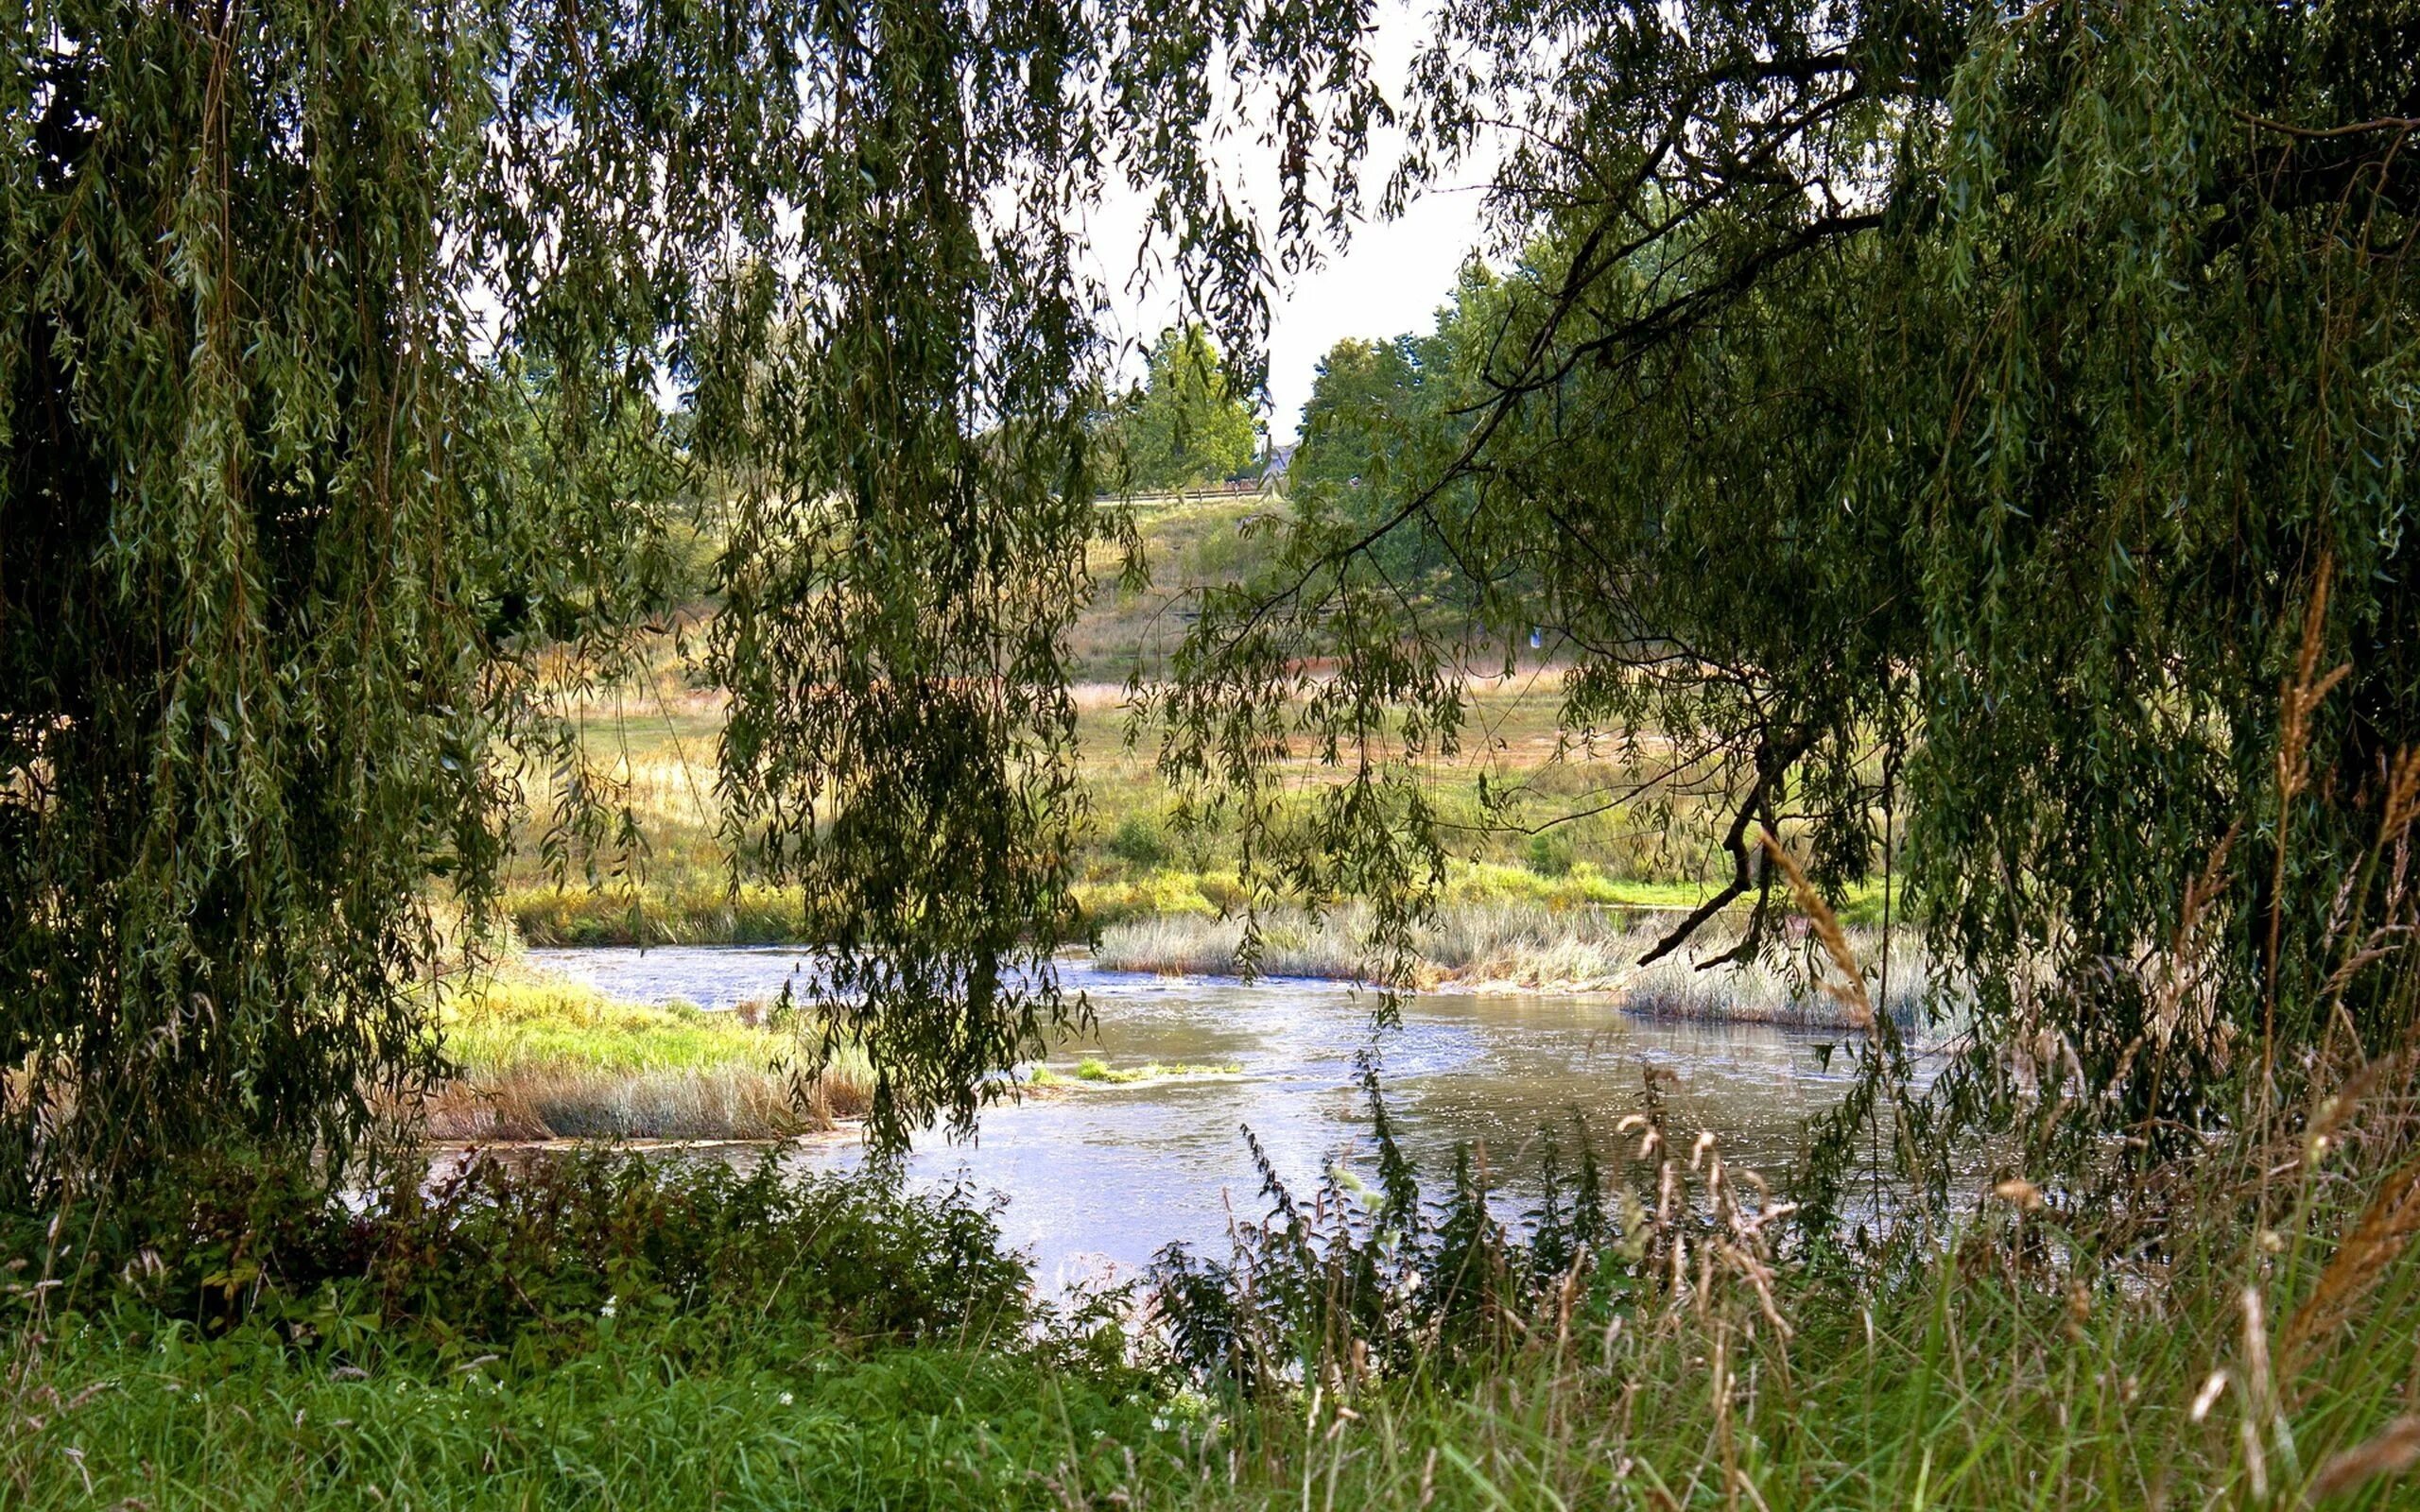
1933	430
332	337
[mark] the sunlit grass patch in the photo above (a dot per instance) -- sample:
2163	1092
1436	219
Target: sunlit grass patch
543	1058
516	1019
1099	1073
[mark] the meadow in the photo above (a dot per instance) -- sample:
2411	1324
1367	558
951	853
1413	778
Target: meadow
1547	874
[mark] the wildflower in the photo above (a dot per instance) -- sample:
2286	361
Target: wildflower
607	1310
785	1398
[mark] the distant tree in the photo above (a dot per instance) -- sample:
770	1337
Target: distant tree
1363	395
1377	414
1190	423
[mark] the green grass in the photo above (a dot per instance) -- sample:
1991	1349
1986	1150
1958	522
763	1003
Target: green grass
514	1021
544	1058
1098	1072
780	1419
1951	1391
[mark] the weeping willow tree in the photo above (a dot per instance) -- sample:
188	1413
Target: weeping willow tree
334	337
1960	439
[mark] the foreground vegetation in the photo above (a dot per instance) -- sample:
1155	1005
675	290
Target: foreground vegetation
595	1330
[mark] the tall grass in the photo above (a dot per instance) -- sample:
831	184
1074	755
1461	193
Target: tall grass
1524	946
1397	1348
536	1102
540	1059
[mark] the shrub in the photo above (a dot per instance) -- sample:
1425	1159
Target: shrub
1141	840
535	1253
1550	853
1396	1282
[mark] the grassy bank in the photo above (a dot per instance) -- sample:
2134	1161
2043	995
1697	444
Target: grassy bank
597	1334
544	1058
1498	924
691	908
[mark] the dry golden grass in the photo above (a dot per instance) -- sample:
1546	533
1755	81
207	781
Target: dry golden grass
534	1103
2392	1451
1848	986
542	1058
1515	946
2377	1242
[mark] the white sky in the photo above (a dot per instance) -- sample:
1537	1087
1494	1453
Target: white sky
1391	277
1391	280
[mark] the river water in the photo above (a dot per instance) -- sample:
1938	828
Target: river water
1095	1178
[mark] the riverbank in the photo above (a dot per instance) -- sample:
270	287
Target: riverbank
1498	928
1519	947
698	908
593	1331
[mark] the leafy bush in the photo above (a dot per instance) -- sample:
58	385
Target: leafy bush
539	1254
1141	840
1550	853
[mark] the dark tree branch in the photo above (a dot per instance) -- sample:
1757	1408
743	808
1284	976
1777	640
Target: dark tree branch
1770	764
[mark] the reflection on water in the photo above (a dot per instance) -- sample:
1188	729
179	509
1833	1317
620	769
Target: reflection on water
1097	1178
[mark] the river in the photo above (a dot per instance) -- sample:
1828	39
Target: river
1095	1178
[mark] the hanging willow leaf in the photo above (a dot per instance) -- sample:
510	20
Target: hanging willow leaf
331	342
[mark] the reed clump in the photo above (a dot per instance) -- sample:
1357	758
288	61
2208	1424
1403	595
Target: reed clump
540	1058
1517	947
527	1104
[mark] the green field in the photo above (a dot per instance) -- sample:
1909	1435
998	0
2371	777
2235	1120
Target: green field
653	742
